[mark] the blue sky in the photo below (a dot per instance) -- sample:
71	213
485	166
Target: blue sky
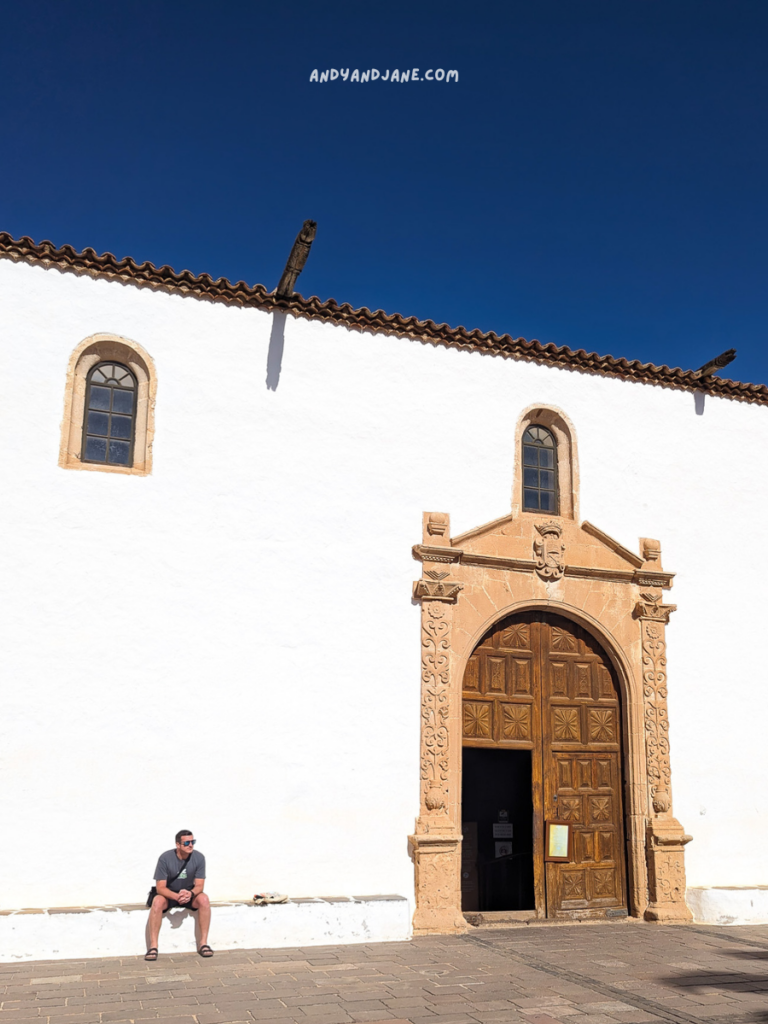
596	178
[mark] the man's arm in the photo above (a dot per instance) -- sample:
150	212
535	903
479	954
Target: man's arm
161	884
199	883
183	895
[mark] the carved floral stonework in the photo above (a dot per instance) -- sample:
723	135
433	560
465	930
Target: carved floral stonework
435	667
665	838
656	719
549	551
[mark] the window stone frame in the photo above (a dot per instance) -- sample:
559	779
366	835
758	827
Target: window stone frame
561	427
95	349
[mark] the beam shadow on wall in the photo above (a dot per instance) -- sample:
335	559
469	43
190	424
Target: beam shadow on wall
275	354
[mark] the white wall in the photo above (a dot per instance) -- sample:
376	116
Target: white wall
122	931
229	645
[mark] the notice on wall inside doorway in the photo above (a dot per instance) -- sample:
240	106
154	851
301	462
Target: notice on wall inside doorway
503	849
502	830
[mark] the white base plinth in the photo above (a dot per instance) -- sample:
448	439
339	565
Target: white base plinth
729	905
87	932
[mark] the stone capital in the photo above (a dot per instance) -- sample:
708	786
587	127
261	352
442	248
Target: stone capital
650	607
437	589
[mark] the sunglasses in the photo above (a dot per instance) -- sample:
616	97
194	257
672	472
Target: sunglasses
188	842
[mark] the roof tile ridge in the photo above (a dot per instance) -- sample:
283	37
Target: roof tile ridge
362	318
647	371
107	263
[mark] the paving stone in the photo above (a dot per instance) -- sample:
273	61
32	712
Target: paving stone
79	1018
593	974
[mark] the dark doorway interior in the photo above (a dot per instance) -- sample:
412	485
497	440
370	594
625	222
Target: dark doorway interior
497	788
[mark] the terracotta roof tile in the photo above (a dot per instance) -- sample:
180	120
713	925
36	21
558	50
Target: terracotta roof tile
204	287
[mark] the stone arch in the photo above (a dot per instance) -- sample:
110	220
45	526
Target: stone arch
632	722
553	419
94	349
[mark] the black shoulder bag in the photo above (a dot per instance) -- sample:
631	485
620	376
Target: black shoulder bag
153	891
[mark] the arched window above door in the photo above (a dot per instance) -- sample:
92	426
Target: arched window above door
546	464
539	470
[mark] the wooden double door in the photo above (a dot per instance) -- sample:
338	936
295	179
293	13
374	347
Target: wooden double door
538	682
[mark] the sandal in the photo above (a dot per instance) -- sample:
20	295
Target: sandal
151	954
205	951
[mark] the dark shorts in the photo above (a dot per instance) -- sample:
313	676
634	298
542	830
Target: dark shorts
172	904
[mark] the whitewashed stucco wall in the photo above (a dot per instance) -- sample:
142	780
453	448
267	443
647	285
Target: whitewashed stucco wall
229	645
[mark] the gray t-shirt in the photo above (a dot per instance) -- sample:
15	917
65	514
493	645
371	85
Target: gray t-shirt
168	865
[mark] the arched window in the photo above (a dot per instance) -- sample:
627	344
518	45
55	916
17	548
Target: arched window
110	415
110	380
539	470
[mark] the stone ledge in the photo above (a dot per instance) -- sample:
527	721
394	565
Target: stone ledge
728	904
107	907
67	933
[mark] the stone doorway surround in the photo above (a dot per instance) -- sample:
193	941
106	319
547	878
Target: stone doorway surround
522	562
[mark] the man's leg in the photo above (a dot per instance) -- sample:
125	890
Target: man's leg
202	905
159	903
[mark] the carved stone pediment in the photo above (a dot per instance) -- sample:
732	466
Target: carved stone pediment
553	547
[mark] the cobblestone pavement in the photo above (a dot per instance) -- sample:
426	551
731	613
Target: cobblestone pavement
569	974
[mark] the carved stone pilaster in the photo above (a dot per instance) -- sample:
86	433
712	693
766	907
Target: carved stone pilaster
436	844
655	711
665	836
435	737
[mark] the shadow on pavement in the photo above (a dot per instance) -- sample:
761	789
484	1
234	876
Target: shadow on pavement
728	983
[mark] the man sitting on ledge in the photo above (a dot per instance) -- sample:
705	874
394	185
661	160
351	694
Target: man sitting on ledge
180	879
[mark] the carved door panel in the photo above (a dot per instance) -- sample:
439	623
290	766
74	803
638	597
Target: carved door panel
540	683
502	709
582	769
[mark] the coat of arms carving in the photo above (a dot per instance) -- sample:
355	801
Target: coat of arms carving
549	551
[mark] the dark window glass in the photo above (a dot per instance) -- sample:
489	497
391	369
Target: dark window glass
122	401
99	398
119	453
121	427
539	470
95	449
110	401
